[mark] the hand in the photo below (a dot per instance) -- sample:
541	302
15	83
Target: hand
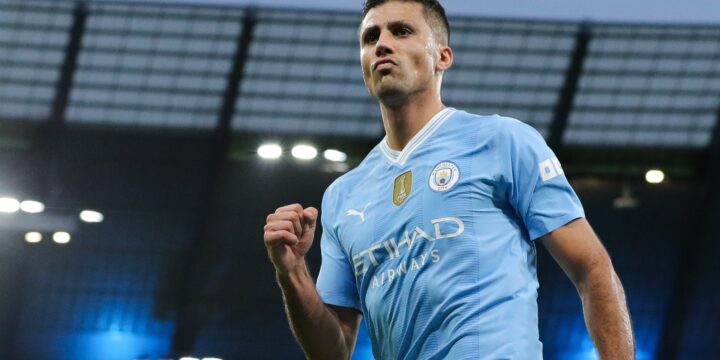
289	234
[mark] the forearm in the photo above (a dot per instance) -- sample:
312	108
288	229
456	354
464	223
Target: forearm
314	325
606	314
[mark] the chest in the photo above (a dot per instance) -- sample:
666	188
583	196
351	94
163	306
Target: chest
405	211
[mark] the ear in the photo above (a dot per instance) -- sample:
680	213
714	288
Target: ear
446	58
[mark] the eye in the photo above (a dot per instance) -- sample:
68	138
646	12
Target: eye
403	31
370	37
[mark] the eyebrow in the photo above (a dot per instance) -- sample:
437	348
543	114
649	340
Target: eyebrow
391	24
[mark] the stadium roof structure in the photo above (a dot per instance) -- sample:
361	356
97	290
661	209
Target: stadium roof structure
170	66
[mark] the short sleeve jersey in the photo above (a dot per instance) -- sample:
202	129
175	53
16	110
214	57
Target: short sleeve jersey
435	243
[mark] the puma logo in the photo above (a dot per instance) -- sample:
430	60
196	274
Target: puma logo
361	214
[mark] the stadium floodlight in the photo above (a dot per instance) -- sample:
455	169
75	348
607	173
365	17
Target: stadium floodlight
33	237
304	152
32	206
269	151
9	205
654	176
61	237
91	216
335	155
188	358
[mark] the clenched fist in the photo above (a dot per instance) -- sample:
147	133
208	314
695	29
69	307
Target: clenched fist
289	233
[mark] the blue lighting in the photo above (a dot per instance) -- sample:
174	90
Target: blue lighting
115	345
363	347
586	349
110	345
643	355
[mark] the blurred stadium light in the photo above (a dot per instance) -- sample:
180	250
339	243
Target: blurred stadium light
304	152
270	151
334	155
9	205
31	206
91	216
33	237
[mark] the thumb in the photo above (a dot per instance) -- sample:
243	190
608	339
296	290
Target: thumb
310	215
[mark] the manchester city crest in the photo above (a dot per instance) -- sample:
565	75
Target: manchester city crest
444	176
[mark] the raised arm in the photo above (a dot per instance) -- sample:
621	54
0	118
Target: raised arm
580	254
323	331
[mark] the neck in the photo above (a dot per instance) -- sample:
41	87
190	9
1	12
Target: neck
402	122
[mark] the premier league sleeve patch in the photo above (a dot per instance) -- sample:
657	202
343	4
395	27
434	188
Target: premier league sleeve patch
444	176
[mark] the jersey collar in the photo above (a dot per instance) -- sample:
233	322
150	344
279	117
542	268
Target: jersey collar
401	157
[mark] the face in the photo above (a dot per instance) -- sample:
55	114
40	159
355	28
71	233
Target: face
398	53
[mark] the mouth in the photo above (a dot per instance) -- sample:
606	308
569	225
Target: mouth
383	64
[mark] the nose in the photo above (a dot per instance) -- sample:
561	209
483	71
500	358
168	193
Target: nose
383	46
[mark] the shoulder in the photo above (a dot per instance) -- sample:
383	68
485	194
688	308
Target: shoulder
495	129
508	126
348	181
491	124
506	130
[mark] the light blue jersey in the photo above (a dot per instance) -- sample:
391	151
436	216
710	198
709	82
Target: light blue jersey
435	244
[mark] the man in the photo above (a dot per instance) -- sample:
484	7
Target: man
432	237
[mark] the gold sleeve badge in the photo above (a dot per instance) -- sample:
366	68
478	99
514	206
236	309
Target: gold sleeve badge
402	188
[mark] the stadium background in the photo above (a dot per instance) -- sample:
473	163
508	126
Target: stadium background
152	114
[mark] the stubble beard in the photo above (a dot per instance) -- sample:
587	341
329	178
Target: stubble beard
393	92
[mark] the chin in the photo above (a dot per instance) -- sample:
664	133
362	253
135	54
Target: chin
391	95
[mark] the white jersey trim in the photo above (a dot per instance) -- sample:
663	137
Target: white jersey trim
401	157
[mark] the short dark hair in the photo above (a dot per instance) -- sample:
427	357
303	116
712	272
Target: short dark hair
434	16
